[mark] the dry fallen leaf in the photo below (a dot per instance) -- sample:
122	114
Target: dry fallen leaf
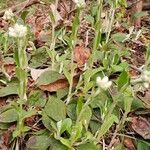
35	73
129	143
59	84
81	55
141	126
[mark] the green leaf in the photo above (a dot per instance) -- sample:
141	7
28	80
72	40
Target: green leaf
8	116
61	93
56	145
108	122
41	142
4	126
87	146
86	116
11	89
128	100
91	72
64	125
123	80
46	120
48	77
79	105
36	98
38	58
55	109
71	111
143	145
119	37
66	142
76	132
24	15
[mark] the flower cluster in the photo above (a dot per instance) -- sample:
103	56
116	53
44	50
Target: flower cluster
146	78
103	83
8	14
17	31
80	3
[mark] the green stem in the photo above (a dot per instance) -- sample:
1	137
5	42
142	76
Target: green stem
22	66
75	28
111	24
97	32
52	46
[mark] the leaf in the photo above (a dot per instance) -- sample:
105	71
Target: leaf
79	105
48	77
87	146
66	142
91	72
9	116
41	142
55	109
141	126
24	15
71	111
76	132
143	145
64	125
59	84
35	73
36	98
123	80
81	55
11	89
38	58
108	122
119	37
128	143
46	120
56	145
86	116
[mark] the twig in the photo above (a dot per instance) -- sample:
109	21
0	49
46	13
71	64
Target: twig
24	4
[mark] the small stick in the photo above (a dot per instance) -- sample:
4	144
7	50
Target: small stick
24	4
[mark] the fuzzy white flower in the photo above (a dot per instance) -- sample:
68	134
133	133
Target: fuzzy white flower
8	14
80	3
17	31
103	83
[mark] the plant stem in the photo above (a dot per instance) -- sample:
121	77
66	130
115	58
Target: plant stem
111	24
97	38
75	28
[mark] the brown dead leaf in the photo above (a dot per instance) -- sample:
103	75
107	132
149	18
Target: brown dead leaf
141	126
129	143
59	84
81	55
10	69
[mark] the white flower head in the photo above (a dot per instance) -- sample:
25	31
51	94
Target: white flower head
17	31
103	83
80	3
8	14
